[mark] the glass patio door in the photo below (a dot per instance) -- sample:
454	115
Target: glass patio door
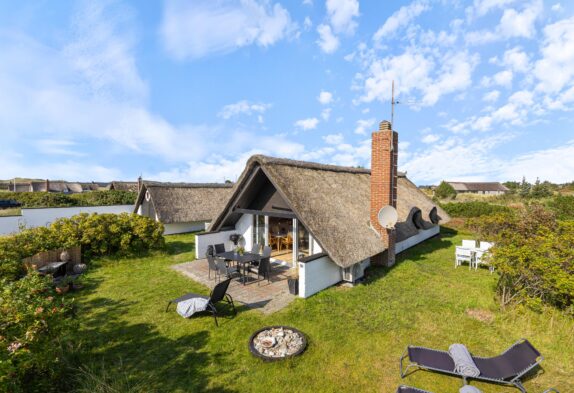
260	230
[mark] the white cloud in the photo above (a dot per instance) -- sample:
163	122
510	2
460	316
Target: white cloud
455	159
333	139
520	24
517	60
502	78
401	18
307	23
430	138
414	71
325	97
364	126
480	8
326	114
191	30
555	69
341	14
307	124
491	96
513	24
555	164
328	42
557	7
242	107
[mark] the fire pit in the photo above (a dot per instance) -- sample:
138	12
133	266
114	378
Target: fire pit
277	343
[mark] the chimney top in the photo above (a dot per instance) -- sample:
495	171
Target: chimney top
385	126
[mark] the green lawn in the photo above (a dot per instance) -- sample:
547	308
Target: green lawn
356	336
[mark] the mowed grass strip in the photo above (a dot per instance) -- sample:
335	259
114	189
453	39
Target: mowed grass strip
356	335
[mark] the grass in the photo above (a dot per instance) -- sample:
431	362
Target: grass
356	335
10	212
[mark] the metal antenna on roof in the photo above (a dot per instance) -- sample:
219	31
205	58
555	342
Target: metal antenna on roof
393	103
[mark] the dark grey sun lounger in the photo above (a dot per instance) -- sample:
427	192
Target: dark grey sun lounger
410	389
506	368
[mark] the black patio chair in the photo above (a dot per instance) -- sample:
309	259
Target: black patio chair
410	389
212	267
507	368
217	295
219	248
225	270
262	269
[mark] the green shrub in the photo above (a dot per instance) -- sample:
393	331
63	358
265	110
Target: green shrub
36	327
538	268
473	209
562	206
56	199
98	234
533	255
445	191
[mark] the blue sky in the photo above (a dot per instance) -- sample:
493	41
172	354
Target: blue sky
188	90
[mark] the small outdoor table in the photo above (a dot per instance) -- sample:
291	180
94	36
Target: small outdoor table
244	260
54	268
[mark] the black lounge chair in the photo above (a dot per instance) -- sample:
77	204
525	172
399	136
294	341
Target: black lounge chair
507	368
410	389
219	294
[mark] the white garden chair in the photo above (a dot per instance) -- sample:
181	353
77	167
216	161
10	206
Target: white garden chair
463	254
469	244
482	256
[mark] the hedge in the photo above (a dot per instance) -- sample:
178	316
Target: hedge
98	234
473	209
56	199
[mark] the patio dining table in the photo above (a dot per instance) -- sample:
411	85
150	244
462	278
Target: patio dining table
244	260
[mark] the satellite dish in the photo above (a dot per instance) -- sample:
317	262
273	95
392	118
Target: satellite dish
388	217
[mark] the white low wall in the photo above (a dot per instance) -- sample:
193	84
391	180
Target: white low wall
316	275
418	238
203	240
184	227
243	227
45	216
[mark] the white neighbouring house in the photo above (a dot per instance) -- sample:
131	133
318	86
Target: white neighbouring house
329	212
182	207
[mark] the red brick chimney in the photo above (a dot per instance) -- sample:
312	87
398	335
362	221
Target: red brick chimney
385	144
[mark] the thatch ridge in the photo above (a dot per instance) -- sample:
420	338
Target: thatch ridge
333	203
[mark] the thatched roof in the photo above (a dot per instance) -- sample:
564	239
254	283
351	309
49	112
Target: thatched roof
124	186
475	187
333	203
185	202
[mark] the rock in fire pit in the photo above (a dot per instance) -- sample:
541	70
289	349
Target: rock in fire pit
277	342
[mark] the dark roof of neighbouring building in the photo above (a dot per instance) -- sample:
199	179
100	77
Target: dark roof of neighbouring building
477	186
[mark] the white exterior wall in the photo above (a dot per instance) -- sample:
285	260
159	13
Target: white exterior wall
316	275
414	240
184	227
243	227
45	216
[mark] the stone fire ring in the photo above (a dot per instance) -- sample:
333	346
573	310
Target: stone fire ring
268	343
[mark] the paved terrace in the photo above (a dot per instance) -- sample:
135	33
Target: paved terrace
261	295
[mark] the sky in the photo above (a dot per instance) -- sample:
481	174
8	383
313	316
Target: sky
188	90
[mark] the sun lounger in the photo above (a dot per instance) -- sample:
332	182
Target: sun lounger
507	368
410	389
